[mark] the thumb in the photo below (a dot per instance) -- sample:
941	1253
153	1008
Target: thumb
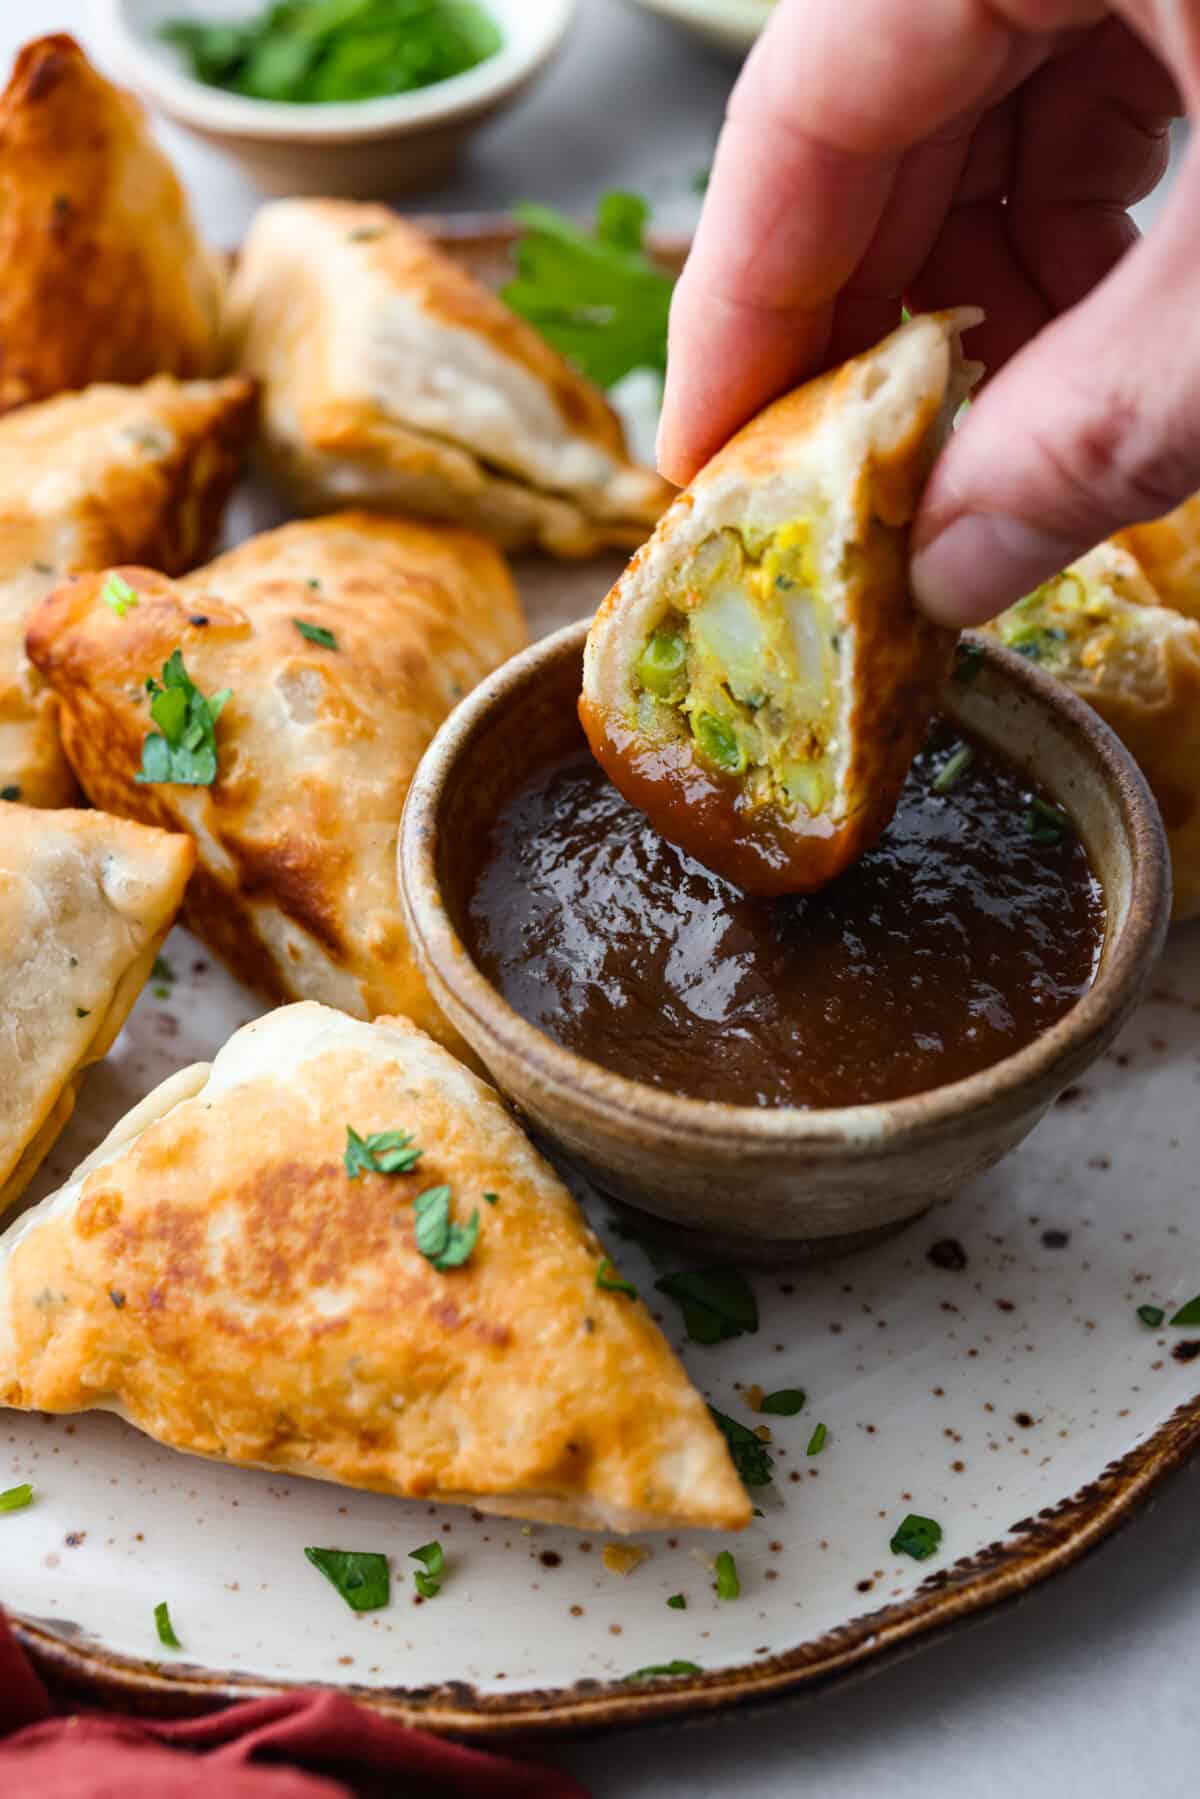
1093	426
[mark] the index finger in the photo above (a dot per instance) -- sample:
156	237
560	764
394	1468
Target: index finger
833	95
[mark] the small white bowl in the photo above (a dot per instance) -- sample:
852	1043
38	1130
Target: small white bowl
730	24
366	148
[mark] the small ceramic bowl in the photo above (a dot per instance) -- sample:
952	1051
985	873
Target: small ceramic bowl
365	148
765	1183
729	24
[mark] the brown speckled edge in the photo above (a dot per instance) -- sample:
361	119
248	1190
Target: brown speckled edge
1038	1547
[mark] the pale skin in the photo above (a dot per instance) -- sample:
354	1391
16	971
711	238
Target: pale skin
943	152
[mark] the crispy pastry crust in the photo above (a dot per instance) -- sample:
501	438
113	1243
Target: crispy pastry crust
296	883
393	379
105	278
1168	552
113	474
85	902
853	448
273	1313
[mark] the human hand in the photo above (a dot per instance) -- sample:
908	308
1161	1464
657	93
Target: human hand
950	152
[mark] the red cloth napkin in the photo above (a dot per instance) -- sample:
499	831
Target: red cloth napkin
304	1745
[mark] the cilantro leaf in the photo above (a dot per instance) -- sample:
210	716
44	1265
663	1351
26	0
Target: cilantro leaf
15	1499
183	750
316	634
1188	1314
609	1281
596	296
1151	1315
429	1579
382	1152
750	1456
678	1602
439	1239
664	1670
360	1576
917	1536
118	594
786	1403
716	1303
164	1627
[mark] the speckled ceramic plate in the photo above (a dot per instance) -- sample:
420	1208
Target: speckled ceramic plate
987	1368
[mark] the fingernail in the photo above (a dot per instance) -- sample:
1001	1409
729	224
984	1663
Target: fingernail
982	563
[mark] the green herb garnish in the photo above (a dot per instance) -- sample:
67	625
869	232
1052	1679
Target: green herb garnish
728	1584
360	1576
786	1403
429	1579
382	1152
816	1442
118	594
164	1627
1188	1314
917	1536
595	295
491	1199
750	1455
953	768
82	1012
968	660
677	1602
186	751
316	634
10	792
664	1670
1151	1315
15	1499
1045	823
608	1283
312	52
716	1303
440	1241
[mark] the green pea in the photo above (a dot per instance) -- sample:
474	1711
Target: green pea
662	665
718	741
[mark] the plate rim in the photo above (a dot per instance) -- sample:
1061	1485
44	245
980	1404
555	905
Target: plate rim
1054	1539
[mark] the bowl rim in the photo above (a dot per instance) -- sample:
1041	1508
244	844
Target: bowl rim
611	1099
211	109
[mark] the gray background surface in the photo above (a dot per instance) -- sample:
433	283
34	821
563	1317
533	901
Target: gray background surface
1090	1684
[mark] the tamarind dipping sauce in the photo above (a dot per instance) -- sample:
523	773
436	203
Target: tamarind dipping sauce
973	925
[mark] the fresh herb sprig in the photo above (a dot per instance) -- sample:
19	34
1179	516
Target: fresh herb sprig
917	1536
439	1239
183	750
717	1303
360	1575
750	1455
381	1152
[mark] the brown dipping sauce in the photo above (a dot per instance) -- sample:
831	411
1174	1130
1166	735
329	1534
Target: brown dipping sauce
971	927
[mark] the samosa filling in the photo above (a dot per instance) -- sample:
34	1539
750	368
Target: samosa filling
745	661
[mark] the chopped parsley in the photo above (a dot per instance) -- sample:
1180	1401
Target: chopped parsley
610	1282
382	1152
82	1012
595	295
316	634
491	1199
428	1577
728	1584
10	792
439	1239
117	1297
678	1602
784	1404
750	1456
1045	823
664	1670
183	750
717	1303
917	1536
164	1627
360	1576
1151	1315
164	974
15	1499
1188	1314
953	768
118	594
968	660
816	1442
312	52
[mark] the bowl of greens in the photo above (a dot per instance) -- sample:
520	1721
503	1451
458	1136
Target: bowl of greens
363	97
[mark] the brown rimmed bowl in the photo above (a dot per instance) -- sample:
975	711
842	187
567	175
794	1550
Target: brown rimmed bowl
778	1182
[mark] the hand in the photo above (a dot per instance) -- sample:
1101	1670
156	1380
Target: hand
952	151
